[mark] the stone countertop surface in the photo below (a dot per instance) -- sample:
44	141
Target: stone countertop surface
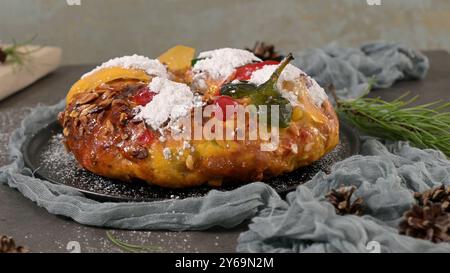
41	231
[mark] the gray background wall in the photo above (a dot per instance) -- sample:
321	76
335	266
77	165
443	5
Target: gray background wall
100	29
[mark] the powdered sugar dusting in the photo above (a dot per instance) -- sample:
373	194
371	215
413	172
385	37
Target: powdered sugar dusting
151	67
317	93
221	63
173	101
167	153
290	73
290	96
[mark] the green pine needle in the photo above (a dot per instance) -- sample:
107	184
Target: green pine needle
425	126
131	247
17	52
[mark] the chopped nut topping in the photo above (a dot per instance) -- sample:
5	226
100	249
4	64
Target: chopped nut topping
190	162
86	98
83	120
74	114
137	151
123	118
105	103
66	131
81	130
109	126
87	110
119	102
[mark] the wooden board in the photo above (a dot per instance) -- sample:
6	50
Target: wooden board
38	63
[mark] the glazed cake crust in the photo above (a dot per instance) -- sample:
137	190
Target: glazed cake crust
101	130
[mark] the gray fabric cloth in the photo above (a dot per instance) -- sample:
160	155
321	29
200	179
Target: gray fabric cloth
351	70
385	177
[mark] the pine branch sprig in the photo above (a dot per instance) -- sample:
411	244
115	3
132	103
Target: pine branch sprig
17	52
425	126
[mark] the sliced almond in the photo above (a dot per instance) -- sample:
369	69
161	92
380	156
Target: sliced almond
83	120
101	91
66	131
109	126
190	162
80	108
87	110
110	94
87	97
81	130
123	118
107	94
105	103
74	114
119	102
76	122
62	117
65	121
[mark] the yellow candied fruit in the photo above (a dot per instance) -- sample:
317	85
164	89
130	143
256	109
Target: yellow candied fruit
213	148
213	89
310	109
297	114
178	57
105	75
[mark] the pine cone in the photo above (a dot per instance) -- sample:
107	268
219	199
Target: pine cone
435	195
340	199
7	245
265	52
2	56
429	223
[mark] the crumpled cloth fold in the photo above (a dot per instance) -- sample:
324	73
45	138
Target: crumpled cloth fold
351	70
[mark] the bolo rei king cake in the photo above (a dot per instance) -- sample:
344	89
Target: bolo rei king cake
224	116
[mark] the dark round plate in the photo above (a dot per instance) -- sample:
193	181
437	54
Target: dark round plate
45	155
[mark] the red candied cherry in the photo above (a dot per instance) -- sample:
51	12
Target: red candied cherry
222	102
143	96
244	73
146	137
